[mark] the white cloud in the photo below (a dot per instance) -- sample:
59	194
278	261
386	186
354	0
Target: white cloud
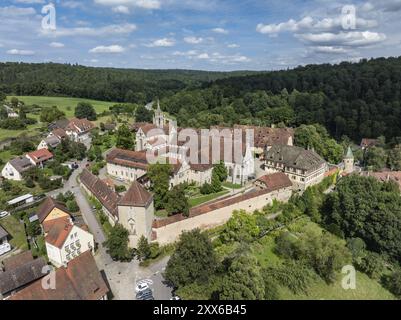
17	52
72	4
121	9
354	38
56	45
13	11
215	57
30	1
165	42
145	4
193	40
108	49
330	49
87	31
220	30
233	45
310	24
186	53
203	56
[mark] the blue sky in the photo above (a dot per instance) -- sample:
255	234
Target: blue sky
199	34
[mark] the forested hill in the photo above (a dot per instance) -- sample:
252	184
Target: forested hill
361	99
123	85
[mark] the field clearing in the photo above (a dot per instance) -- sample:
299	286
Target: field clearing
67	105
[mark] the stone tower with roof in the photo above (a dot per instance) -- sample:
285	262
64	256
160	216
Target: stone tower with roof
349	161
159	120
136	213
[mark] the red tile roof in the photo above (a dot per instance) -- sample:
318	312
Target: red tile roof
276	181
59	133
17	260
40	156
47	206
128	158
136	196
59	232
366	143
80	125
80	280
107	197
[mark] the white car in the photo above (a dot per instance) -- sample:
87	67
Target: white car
4	214
141	287
176	298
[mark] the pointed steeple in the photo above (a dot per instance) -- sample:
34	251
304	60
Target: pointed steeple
349	155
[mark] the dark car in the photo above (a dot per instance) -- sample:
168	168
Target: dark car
144	294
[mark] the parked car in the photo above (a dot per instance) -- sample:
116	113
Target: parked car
176	298
141	287
142	294
4	214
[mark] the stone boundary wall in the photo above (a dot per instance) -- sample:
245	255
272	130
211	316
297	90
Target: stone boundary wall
215	214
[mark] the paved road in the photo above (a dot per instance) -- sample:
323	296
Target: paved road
122	277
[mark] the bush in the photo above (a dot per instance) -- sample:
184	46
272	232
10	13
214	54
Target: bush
372	264
206	189
121	188
393	283
72	206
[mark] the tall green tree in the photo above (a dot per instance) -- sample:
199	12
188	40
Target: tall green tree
143	249
177	201
51	114
85	110
125	138
243	281
117	244
368	209
194	260
159	175
143	115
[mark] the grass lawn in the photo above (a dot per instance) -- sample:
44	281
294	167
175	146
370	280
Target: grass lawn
193	202
30	131
17	232
230	185
65	104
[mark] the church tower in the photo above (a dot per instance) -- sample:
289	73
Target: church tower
136	213
349	161
159	119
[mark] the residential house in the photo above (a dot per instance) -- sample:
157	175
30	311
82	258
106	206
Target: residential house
59	133
14	169
39	157
79	129
368	143
66	241
49	143
19	272
79	280
50	211
304	167
59	124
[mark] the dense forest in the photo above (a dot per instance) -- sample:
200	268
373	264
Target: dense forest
354	99
107	84
350	99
